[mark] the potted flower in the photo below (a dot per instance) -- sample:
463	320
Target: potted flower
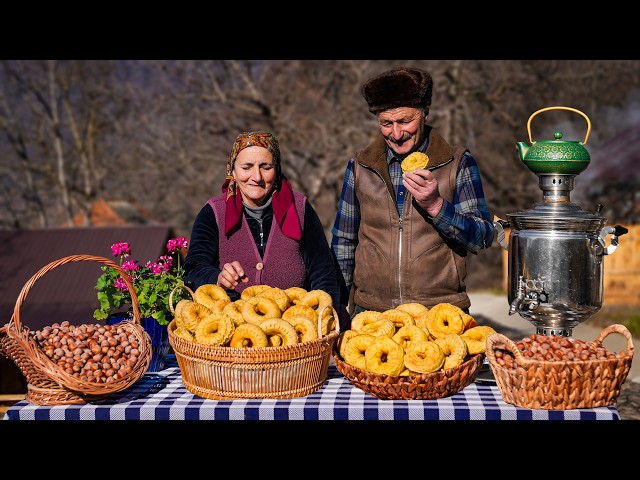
153	284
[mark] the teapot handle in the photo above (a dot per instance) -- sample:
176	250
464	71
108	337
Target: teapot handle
559	108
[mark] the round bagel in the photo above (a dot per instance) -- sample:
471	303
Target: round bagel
304	326
445	319
252	291
191	315
361	319
281	329
379	328
417	311
216	329
317	299
397	317
179	306
300	309
295	294
476	338
355	349
414	160
233	310
384	356
343	338
408	334
454	349
424	356
256	309
184	333
277	295
469	322
248	335
208	294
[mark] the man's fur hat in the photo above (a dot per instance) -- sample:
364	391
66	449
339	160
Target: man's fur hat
400	87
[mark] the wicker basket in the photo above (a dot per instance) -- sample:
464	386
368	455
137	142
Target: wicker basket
47	382
227	373
560	385
439	384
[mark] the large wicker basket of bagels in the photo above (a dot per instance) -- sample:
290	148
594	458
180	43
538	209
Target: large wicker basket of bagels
412	352
270	343
553	372
75	364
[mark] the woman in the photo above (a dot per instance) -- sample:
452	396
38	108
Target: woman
259	231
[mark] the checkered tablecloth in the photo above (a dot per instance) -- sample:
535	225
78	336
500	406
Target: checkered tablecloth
162	396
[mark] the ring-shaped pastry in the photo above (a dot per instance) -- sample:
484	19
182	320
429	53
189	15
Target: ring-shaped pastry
277	295
248	335
361	319
317	299
295	294
191	315
405	335
454	349
417	310
379	328
216	329
305	328
209	293
233	310
476	338
300	309
257	309
445	319
413	161
343	338
177	311
280	328
252	291
384	356
328	321
397	317
184	333
424	356
469	322
355	349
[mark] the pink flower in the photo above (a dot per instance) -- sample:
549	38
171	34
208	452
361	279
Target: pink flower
176	244
130	266
121	249
120	284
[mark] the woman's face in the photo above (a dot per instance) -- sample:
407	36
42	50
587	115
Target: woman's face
255	174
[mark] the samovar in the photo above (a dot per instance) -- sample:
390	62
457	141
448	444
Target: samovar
556	249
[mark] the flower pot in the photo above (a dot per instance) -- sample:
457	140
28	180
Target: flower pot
159	339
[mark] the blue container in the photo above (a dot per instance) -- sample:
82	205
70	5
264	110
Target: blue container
159	338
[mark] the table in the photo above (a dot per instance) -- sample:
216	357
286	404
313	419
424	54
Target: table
161	396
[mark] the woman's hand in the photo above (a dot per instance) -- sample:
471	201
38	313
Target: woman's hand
231	274
424	188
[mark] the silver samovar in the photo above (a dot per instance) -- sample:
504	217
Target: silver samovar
556	249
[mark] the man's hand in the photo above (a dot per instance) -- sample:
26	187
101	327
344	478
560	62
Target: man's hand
424	188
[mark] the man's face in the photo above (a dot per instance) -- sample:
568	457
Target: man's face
402	128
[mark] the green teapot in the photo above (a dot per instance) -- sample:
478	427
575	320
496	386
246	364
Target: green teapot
555	156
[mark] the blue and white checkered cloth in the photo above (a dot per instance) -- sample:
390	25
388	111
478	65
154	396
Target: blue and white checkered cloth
162	396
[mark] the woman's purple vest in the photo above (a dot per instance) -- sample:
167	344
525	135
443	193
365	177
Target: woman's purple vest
282	265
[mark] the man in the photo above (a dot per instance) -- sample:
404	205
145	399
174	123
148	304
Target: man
404	237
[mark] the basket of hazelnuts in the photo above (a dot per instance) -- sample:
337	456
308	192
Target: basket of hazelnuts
74	364
554	372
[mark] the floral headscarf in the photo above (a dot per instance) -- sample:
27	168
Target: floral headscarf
284	209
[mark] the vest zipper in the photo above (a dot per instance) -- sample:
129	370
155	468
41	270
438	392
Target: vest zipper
399	261
261	236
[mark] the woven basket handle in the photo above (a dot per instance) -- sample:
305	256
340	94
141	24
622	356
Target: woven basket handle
177	287
335	316
622	330
500	341
15	318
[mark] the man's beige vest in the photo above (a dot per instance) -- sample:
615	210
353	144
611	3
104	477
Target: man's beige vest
405	260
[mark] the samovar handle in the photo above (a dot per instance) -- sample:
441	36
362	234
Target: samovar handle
498	233
615	232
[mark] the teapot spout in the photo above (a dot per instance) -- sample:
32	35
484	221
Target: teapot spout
522	148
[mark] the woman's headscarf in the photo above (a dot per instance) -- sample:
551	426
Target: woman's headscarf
284	209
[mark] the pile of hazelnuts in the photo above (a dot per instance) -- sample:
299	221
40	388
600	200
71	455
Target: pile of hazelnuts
553	348
93	353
